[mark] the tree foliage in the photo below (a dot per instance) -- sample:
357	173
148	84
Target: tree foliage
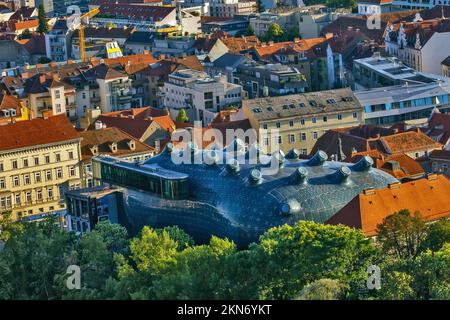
402	233
182	116
304	261
42	16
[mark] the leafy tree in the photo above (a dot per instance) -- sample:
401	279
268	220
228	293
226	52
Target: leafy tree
182	116
322	289
198	272
31	259
26	34
402	234
42	16
438	235
114	235
8	227
151	255
274	33
290	257
182	238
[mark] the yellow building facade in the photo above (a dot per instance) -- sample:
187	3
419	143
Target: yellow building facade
34	176
299	120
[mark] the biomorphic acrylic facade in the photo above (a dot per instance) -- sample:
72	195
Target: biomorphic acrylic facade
228	198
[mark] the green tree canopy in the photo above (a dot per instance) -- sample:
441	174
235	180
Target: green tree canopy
182	116
42	16
402	233
323	289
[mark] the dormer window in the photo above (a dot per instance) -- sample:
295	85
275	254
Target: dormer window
113	147
131	144
94	150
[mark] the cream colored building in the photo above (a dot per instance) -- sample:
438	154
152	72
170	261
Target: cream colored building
45	94
301	119
39	161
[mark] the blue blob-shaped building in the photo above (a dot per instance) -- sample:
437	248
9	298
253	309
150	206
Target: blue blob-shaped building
224	194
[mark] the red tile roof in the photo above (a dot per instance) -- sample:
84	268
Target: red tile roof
429	196
22	25
35	132
440	121
408	142
265	51
408	167
103	137
10	102
137	124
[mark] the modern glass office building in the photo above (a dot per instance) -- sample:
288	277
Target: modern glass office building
237	200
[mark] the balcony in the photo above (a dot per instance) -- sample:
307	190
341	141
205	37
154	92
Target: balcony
125	97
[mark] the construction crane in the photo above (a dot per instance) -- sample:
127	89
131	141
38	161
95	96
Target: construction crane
87	15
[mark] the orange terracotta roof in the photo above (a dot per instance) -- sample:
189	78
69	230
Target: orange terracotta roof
130	59
238	44
103	137
38	131
10	102
135	122
408	167
408	141
304	45
22	25
429	196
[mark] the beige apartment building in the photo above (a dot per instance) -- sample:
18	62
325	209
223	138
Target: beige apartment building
45	94
301	119
39	161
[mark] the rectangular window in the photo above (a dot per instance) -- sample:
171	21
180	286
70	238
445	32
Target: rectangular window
47	159
28	197
37	177
278	125
48	175
304	152
25	163
1	166
291	123
265	126
302	122
26	179
325	119
14	164
280	140
39	194
15	180
355	115
2	183
59	173
58	157
313	120
291	138
315	135
303	136
36	161
70	154
72	171
18	199
339	116
50	193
